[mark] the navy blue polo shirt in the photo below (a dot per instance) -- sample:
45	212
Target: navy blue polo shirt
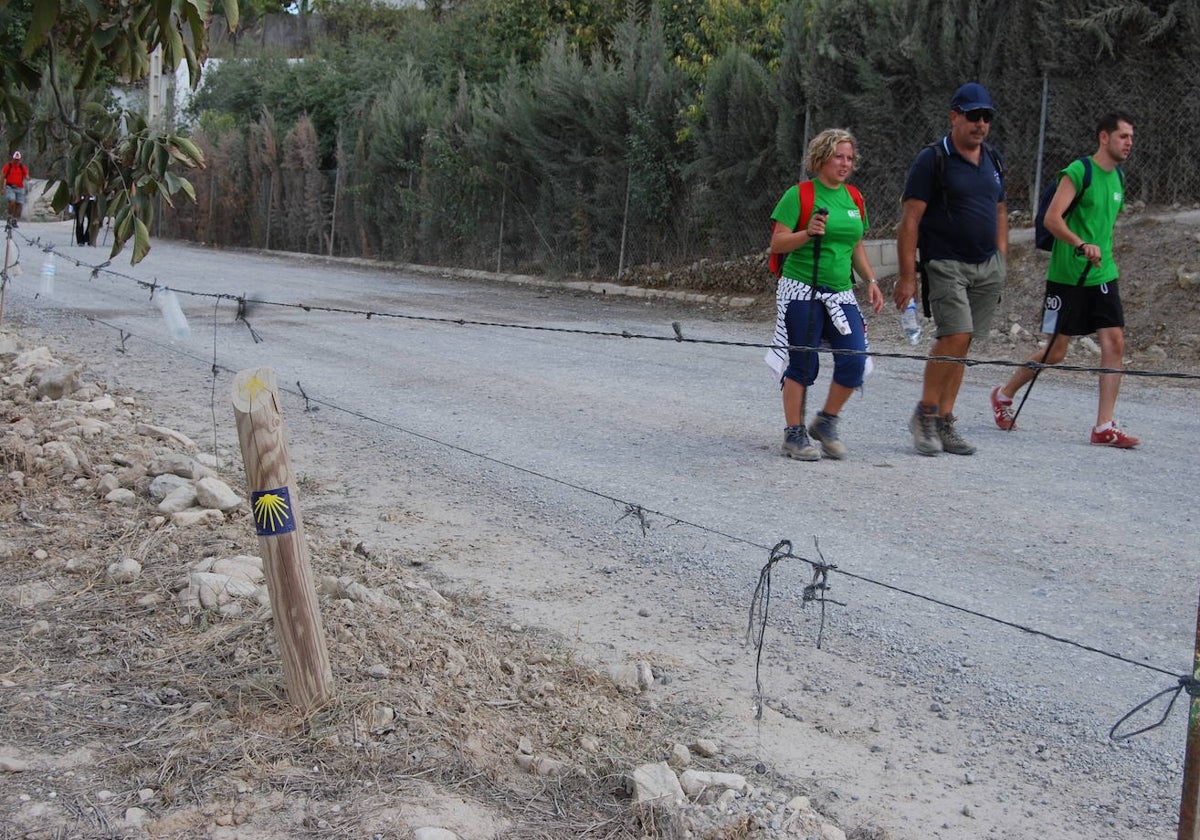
960	223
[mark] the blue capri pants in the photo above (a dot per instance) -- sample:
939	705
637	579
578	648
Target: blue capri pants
806	328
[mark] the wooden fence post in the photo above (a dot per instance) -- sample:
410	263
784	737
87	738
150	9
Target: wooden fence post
269	478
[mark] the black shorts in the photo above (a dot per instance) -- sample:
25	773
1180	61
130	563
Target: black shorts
1081	310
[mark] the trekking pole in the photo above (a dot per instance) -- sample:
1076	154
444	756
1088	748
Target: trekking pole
1053	338
812	300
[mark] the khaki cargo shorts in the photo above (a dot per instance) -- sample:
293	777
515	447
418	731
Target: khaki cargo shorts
963	296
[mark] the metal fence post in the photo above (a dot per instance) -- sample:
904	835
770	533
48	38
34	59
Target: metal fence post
1037	170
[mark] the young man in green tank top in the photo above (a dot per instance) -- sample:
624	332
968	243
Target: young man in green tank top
1081	282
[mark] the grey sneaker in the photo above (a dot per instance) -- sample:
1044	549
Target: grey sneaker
924	428
796	445
824	430
952	441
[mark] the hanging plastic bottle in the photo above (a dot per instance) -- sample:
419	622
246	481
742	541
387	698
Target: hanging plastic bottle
49	270
909	323
172	312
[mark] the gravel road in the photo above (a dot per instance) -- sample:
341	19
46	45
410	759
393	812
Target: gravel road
516	452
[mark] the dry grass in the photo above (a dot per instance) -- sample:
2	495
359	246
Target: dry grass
114	697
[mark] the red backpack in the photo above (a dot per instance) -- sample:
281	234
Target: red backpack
808	197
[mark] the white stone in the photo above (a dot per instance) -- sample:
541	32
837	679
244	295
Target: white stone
695	782
162	486
433	833
104	403
656	782
181	498
209	591
245	567
60	457
680	757
192	517
163	433
832	832
213	493
176	463
126	570
121	496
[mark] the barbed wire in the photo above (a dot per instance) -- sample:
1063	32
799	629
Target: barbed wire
782	550
244	302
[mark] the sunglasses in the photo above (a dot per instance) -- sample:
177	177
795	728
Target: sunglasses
977	115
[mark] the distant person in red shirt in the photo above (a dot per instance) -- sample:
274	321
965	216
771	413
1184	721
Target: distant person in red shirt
15	173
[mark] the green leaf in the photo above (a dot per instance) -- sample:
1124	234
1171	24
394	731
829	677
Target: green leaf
141	241
45	14
188	189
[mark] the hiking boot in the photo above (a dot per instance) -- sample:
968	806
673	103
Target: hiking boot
797	445
924	428
1112	436
952	441
824	430
1002	411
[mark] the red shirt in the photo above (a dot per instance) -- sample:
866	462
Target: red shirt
15	174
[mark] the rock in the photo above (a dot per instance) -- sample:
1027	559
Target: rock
126	570
181	498
245	567
56	383
163	433
81	565
705	747
206	590
121	496
645	676
13	764
176	463
213	493
832	832
193	517
695	782
656	783
431	833
38	358
680	757
59	458
162	486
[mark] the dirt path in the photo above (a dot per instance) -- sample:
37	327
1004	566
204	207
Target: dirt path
504	459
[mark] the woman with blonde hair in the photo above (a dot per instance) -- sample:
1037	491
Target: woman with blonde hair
819	226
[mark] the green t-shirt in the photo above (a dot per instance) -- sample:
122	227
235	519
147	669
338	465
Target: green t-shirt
1092	221
843	229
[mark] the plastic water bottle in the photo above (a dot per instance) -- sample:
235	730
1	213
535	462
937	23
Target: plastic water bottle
49	269
172	313
909	323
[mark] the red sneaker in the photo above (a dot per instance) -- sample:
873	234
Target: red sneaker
1112	436
1002	411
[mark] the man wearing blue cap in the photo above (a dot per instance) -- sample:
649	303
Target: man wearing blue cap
954	212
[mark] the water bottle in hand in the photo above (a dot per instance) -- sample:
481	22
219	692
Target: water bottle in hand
909	323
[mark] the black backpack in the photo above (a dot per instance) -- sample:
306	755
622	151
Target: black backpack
1043	238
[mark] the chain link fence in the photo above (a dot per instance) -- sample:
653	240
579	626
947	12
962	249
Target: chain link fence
489	226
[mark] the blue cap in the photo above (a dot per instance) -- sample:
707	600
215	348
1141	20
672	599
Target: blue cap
970	96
